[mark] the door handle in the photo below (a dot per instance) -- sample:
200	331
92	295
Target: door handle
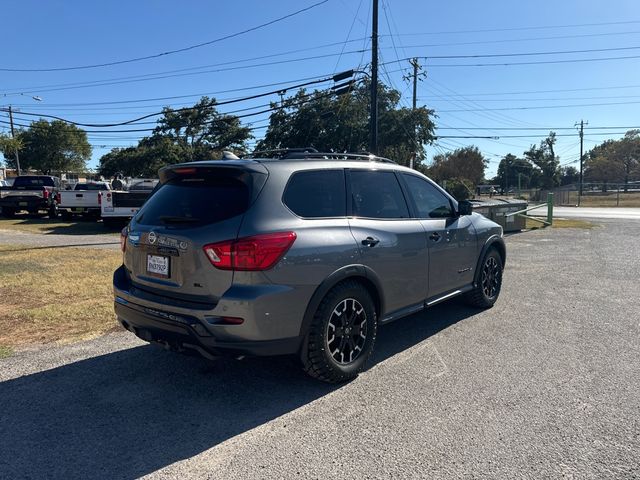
435	236
370	242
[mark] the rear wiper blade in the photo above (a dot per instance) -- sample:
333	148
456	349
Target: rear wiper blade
170	219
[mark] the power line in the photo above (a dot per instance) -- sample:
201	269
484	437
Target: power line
543	62
169	52
226	102
511	29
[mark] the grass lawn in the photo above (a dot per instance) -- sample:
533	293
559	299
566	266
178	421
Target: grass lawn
48	295
62	227
560	223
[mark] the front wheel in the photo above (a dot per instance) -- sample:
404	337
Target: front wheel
489	283
341	335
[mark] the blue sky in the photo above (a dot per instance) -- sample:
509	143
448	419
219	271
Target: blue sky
53	34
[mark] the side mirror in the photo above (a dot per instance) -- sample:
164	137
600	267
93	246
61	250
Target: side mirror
465	207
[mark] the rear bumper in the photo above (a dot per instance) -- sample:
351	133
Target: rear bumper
24	203
185	332
174	323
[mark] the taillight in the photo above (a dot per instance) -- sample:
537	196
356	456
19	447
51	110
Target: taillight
45	194
123	238
99	198
58	197
260	252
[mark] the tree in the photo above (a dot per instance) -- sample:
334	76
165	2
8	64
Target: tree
340	123
569	175
544	158
466	164
201	131
615	160
9	145
197	133
514	171
49	147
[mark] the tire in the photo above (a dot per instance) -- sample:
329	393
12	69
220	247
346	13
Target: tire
8	212
328	331
53	211
66	215
489	283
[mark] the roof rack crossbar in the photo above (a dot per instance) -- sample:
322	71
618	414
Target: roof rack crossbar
312	153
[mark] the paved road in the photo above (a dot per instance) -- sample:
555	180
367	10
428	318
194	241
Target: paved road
592	212
544	385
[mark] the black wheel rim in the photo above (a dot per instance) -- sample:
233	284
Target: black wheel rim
347	331
491	277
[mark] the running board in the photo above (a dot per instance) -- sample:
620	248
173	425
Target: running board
443	298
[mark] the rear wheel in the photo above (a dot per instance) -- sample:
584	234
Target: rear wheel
489	283
53	211
342	334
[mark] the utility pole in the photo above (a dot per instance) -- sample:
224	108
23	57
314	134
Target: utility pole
415	65
13	135
373	143
581	133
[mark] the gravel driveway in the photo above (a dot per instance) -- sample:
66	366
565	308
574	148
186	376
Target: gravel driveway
27	239
544	385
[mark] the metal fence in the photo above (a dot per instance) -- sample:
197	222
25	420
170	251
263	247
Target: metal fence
593	195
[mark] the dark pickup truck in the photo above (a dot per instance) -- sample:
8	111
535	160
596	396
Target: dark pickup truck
33	193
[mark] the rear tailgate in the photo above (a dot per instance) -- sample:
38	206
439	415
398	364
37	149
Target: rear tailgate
195	206
79	198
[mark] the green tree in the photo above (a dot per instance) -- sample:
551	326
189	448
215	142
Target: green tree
8	147
465	164
545	159
49	147
183	135
513	171
615	160
340	123
201	131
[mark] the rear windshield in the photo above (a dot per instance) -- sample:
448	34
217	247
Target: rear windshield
197	200
33	182
91	186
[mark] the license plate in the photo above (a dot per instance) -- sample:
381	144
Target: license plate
23	204
158	265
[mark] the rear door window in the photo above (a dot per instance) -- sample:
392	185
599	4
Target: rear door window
377	194
195	200
316	194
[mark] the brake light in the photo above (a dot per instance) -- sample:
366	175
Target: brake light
185	171
99	198
123	238
260	252
58	197
45	194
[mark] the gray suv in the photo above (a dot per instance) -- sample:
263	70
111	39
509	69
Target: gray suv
306	253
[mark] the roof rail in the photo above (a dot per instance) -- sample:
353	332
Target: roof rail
312	153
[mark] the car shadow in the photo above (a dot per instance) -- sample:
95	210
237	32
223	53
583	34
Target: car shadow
132	412
60	226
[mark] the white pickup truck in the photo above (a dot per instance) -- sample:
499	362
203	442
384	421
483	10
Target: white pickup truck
82	200
118	206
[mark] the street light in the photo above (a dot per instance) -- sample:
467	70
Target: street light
34	97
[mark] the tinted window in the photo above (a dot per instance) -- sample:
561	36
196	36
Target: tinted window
429	201
33	182
316	194
197	200
376	194
90	186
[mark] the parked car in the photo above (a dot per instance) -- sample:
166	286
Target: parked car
304	254
31	193
82	200
118	206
